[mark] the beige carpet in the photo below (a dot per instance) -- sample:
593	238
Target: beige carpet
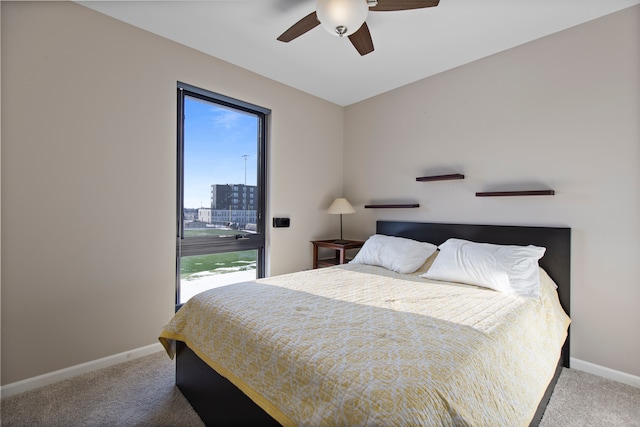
581	399
141	392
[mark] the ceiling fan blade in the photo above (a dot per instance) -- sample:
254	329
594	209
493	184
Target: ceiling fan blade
361	40
307	23
391	5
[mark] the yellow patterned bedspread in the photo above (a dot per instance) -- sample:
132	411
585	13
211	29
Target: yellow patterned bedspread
357	345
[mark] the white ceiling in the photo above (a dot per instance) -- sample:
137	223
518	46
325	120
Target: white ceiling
409	45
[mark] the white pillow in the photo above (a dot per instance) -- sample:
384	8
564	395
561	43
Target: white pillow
505	268
394	253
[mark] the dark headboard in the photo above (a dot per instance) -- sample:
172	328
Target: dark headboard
556	261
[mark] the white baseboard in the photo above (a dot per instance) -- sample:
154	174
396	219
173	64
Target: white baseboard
612	374
72	371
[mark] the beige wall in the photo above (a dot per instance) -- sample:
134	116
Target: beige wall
561	112
88	188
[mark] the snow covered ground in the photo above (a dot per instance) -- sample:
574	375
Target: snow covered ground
208	280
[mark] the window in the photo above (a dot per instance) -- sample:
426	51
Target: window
221	159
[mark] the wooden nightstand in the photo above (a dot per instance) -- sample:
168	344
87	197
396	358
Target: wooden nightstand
340	254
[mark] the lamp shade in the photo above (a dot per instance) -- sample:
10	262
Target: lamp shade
341	206
342	17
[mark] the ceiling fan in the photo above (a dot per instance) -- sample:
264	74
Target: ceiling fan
348	18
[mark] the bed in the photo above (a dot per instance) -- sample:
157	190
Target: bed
359	344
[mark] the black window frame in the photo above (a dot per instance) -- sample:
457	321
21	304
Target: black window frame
248	241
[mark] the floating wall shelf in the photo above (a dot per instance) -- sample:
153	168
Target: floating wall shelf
516	193
401	206
440	177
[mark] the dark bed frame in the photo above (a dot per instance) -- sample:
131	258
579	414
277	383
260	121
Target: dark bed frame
218	402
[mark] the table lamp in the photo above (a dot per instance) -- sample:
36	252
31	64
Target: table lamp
341	206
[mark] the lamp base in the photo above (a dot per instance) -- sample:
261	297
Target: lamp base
341	242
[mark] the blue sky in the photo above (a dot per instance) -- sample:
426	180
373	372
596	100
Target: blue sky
216	139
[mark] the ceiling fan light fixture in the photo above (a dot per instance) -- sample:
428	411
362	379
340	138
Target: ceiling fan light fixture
342	17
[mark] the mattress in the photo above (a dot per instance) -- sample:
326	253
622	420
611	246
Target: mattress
361	345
